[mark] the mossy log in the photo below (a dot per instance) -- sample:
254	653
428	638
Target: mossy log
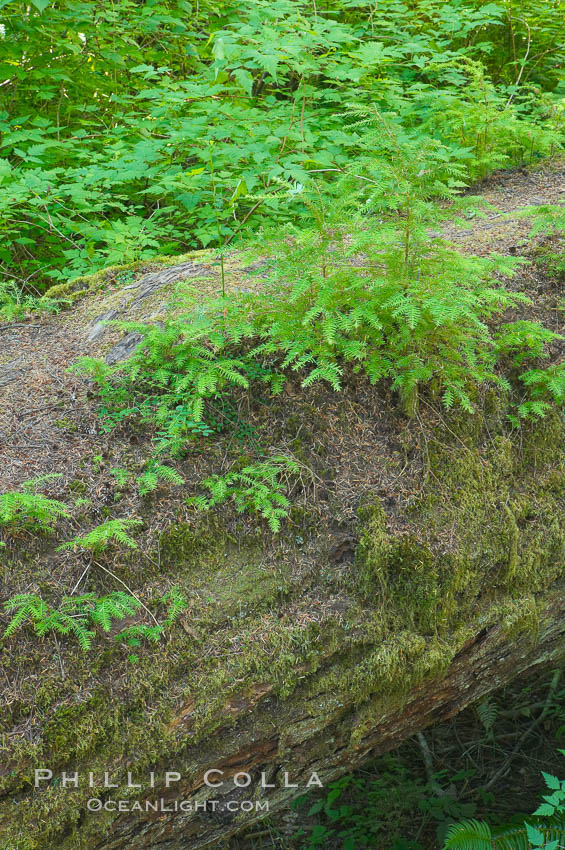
421	568
268	737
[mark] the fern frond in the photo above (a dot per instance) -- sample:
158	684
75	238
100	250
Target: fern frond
469	835
113	530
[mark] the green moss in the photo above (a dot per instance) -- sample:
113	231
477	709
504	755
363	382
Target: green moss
188	545
519	617
486	527
78	486
67	425
78	728
542	441
83	285
513	541
401	576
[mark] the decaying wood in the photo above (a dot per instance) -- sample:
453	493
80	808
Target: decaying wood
328	746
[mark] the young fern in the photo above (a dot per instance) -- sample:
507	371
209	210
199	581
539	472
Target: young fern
70	618
27	606
148	481
121	476
100	537
411	319
81	615
32	485
477	835
255	488
114	606
175	370
14	304
547	219
30	511
176	602
469	835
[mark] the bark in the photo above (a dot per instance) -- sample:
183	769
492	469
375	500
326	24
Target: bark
329	745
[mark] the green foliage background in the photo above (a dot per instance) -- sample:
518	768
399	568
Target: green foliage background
131	128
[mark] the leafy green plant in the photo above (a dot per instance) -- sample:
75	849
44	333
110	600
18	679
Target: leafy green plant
547	219
545	386
110	113
375	296
387	302
80	615
121	475
133	635
148	481
169	378
524	340
103	535
30	511
32	485
70	618
97	462
176	602
545	832
254	488
482	122
357	811
16	304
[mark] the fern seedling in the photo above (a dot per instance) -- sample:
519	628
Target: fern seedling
100	537
43	618
121	475
34	484
176	602
255	488
30	511
148	481
79	615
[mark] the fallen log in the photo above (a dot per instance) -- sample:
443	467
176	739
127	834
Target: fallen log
421	568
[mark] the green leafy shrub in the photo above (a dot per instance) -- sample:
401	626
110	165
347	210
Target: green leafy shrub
374	294
357	811
109	113
545	832
363	288
482	123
